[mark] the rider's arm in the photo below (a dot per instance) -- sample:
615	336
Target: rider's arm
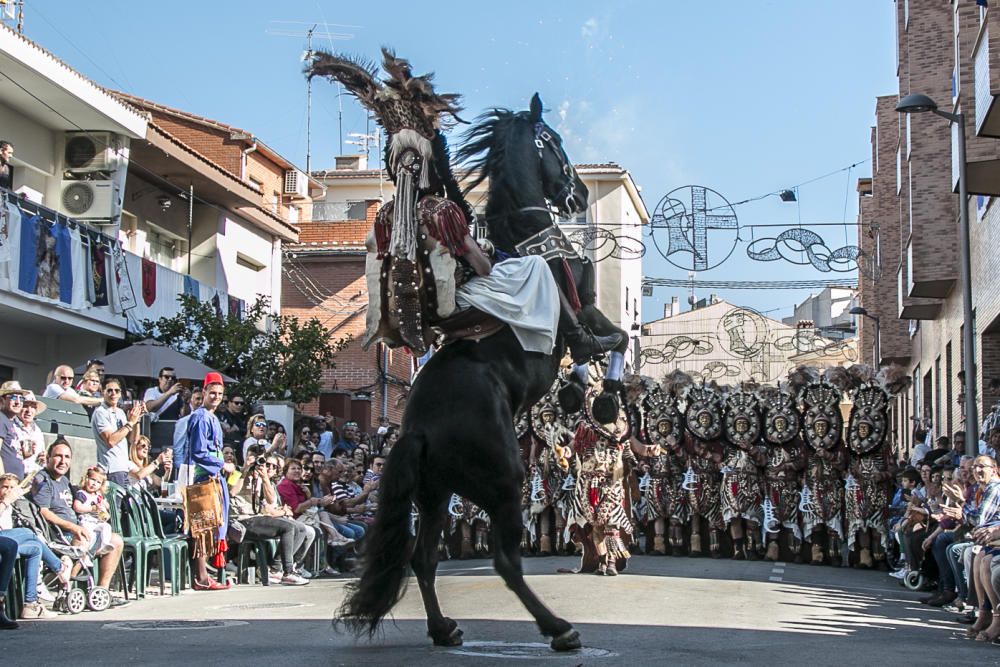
475	257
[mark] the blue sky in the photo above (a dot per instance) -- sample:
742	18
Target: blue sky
743	97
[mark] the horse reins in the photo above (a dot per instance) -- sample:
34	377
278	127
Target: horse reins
543	137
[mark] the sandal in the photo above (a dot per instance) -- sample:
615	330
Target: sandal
212	585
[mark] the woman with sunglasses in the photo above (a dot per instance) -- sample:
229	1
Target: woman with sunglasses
256	434
303	439
143	472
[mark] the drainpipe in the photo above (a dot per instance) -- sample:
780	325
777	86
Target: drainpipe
385	381
243	159
190	222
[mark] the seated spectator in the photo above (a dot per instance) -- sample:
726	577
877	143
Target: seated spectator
114	432
233	417
8	556
391	436
90	386
992	444
920	447
51	492
326	438
31	547
11	402
349	439
166	398
348	502
303	439
61	387
256	434
151	475
93	511
272	520
31	442
374	472
986	531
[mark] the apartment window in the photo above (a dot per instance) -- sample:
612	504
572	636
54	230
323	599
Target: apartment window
578	219
949	379
939	425
340	210
926	397
899	169
161	247
258	184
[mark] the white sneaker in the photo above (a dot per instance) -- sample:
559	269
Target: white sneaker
274	577
898	574
304	573
44	593
292	579
33	610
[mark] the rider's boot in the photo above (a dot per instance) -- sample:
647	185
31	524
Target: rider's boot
583	346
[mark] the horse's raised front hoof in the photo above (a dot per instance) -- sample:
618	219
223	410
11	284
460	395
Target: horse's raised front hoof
567	641
606	408
571	397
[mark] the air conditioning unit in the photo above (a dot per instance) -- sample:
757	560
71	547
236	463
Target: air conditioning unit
90	151
88	199
296	183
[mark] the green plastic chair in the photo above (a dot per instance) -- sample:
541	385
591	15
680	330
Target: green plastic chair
126	520
176	544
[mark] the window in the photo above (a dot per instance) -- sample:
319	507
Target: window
248	262
340	210
578	219
948	391
161	246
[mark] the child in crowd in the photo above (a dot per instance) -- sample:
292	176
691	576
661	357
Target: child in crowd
92	509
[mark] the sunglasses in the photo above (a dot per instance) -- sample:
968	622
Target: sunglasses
236	402
66	377
112	391
306	431
15	398
260	424
271	465
168	377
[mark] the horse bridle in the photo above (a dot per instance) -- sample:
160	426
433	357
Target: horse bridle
567	193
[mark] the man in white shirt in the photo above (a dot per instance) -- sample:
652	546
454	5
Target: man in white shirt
181	440
164	400
920	447
114	432
61	387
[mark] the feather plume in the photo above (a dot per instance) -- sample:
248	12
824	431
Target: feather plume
861	374
895	379
838	377
800	377
356	75
676	382
767	391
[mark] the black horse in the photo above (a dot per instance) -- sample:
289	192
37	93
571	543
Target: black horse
457	433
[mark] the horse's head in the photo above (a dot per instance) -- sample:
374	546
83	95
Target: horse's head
561	183
524	161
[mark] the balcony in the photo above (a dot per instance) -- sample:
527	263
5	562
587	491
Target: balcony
59	277
983	149
911	307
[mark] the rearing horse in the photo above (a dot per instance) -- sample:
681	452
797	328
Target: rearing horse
457	432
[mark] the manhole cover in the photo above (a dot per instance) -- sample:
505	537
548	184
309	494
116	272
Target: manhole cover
264	605
524	651
134	626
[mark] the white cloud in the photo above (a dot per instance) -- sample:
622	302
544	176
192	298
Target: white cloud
589	28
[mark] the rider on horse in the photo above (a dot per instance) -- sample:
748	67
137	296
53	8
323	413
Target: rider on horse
423	266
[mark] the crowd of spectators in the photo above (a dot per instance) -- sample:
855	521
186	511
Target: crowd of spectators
316	490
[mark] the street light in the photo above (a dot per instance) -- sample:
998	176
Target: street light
858	310
919	103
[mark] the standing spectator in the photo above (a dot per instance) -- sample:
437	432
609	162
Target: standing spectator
920	447
114	432
391	436
349	439
61	387
90	386
205	442
95	367
180	441
165	399
31	442
50	490
11	402
957	449
233	419
326	437
6	172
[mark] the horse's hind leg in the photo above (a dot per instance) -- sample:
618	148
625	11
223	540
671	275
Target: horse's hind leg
507	527
441	629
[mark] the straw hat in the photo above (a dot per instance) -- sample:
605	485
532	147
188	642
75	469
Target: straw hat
11	387
29	397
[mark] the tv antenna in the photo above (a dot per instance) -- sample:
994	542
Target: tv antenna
295	29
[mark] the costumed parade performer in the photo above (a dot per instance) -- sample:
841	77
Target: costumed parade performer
785	460
741	493
822	496
550	477
701	481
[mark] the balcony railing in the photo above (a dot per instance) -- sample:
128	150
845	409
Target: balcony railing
74	267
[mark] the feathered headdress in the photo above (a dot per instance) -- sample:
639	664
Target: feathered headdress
401	101
895	379
674	383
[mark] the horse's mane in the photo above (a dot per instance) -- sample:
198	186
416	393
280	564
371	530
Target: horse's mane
484	146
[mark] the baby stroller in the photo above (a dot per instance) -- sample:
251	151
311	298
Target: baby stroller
82	592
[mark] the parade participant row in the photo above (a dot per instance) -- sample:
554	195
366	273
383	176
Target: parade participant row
744	466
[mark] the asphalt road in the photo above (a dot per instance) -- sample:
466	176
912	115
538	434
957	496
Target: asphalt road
662	611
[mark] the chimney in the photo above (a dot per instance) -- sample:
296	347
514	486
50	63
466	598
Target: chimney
351	162
675	306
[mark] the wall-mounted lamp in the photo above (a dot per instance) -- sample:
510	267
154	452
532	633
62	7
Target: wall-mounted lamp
164	202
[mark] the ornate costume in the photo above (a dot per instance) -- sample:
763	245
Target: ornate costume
550	478
822	497
703	417
785	459
741	493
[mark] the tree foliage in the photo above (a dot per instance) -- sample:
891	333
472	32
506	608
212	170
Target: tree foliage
281	361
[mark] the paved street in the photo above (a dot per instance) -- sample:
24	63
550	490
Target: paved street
680	610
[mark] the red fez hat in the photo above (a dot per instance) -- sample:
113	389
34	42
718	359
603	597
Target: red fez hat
212	378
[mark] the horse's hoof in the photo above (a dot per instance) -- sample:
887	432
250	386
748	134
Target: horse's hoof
453	638
570	397
606	408
567	641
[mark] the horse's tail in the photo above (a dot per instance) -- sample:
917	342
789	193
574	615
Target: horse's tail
387	543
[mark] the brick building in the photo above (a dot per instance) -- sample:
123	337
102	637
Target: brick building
909	213
324	276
